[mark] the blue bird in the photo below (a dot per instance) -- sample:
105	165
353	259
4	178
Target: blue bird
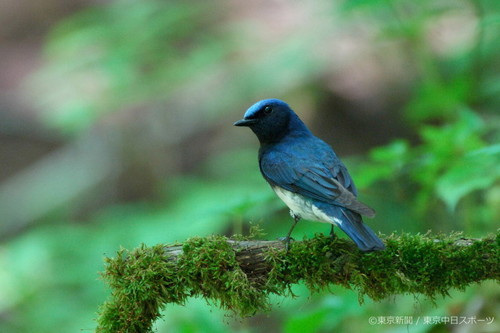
306	173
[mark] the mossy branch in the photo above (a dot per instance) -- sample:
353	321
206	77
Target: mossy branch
239	275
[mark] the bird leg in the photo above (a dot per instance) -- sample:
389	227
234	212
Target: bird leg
333	236
296	219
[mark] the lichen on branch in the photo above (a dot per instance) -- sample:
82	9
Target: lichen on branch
239	275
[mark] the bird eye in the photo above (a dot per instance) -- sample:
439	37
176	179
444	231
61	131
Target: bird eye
268	109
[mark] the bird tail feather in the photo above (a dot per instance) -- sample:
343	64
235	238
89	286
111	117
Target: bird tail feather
364	237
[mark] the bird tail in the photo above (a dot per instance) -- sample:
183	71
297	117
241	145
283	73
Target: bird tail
352	224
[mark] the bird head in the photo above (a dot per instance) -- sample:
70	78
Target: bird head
270	120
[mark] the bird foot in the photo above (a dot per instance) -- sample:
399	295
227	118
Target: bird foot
288	237
286	240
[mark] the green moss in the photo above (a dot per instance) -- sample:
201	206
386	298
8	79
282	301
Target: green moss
143	281
210	269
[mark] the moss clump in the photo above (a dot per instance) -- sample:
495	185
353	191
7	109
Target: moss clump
411	264
210	269
143	281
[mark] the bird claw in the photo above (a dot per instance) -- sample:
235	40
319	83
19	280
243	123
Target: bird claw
286	240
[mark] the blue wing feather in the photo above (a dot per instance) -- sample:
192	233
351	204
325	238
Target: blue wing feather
326	181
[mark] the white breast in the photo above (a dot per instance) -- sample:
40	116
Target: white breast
304	207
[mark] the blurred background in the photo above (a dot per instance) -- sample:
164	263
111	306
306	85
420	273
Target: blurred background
116	130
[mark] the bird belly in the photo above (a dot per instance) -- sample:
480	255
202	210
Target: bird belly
304	207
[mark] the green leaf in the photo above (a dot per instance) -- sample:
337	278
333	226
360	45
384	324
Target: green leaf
478	170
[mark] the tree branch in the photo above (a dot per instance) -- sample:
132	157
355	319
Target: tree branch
239	275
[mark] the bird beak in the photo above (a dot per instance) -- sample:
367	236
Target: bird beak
245	122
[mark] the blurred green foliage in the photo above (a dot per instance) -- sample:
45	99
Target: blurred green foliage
110	57
176	68
454	110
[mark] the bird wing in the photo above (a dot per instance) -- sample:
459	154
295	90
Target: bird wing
323	178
